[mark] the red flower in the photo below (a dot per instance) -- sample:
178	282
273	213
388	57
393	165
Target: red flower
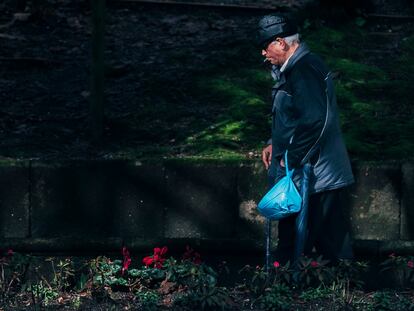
158	264
276	264
410	264
148	261
314	264
191	255
157	258
127	259
10	252
160	251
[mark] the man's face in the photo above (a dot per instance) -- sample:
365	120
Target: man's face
275	52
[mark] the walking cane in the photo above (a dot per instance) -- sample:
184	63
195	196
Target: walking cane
302	219
268	243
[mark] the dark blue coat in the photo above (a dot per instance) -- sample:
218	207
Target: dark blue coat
305	122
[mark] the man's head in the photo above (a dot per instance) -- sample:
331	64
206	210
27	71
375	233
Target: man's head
277	37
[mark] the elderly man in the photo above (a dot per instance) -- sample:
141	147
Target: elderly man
305	123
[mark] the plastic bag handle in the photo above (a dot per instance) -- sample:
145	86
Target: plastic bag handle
288	173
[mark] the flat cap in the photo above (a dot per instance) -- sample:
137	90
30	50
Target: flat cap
273	26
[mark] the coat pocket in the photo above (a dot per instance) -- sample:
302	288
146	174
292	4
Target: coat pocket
282	110
282	101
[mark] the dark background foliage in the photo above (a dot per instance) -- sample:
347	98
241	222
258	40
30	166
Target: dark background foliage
186	81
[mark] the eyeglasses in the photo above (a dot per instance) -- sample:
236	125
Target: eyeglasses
266	46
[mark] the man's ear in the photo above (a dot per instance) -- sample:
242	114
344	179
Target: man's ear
283	44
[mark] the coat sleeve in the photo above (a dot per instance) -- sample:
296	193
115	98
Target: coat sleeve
310	106
284	123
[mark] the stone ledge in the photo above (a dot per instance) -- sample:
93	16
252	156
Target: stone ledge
88	204
211	246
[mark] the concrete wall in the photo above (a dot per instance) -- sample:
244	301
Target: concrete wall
81	205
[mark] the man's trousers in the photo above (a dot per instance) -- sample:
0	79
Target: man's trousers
328	229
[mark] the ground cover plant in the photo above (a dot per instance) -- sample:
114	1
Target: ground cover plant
159	281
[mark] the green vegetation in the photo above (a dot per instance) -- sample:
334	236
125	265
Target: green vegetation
376	114
243	125
224	112
159	281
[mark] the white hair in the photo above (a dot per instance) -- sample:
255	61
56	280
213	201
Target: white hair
292	39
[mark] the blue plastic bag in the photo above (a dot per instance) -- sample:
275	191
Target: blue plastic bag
283	199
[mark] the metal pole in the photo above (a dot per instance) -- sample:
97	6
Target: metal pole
268	244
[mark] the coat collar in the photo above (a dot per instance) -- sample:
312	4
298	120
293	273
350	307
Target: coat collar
279	76
301	51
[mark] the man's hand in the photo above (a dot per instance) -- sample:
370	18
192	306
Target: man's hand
267	156
282	162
